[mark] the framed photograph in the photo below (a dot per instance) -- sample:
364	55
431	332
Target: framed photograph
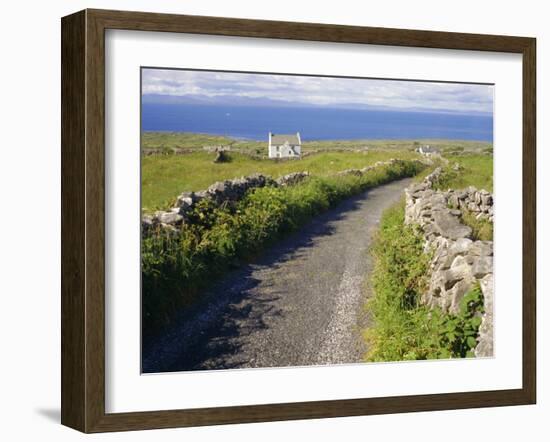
267	220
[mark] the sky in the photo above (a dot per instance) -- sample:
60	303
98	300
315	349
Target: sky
211	87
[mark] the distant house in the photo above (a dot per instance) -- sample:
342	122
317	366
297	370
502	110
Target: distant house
285	146
427	150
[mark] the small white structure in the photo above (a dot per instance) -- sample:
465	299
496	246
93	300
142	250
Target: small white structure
285	146
427	150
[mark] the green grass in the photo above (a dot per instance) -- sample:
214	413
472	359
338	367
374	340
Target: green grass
166	141
475	170
176	269
164	177
186	140
402	328
442	145
482	229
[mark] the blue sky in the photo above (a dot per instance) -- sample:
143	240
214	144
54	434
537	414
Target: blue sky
283	90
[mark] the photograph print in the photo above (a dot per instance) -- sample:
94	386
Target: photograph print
303	220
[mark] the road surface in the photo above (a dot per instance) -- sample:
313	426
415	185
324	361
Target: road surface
301	304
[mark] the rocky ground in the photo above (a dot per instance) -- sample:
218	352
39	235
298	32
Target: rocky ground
300	304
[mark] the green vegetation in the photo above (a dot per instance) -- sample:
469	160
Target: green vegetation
164	177
443	145
474	170
404	329
482	229
175	268
168	141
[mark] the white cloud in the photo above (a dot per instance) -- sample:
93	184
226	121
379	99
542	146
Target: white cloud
324	91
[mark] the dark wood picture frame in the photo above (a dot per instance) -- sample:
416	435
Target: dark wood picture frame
83	217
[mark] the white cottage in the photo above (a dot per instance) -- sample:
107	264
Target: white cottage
285	146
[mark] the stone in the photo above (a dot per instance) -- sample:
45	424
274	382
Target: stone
460	247
184	202
481	266
486	199
218	187
457	293
448	225
477	198
170	218
482	248
454	201
292	178
484	347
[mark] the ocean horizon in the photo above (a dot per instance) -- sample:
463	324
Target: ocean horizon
314	123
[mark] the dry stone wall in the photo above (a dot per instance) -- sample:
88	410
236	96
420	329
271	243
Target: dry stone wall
231	191
359	172
479	202
458	261
221	192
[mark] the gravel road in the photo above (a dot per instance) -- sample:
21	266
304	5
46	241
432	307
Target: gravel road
300	304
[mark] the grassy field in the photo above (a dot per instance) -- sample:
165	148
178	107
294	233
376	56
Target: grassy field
168	141
475	170
164	177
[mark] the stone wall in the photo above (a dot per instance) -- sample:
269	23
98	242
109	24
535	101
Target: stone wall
479	202
458	261
359	172
231	191
221	192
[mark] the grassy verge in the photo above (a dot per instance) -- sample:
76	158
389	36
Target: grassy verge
164	177
176	269
403	329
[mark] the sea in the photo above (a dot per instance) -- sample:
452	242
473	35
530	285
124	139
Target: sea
314	123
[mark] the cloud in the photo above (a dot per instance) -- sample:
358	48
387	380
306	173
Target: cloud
224	87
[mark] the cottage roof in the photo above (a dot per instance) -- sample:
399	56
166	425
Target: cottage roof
282	139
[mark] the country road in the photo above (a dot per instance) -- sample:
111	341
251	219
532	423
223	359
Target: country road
300	304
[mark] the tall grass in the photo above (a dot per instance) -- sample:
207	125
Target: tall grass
164	177
402	328
177	268
482	229
475	170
